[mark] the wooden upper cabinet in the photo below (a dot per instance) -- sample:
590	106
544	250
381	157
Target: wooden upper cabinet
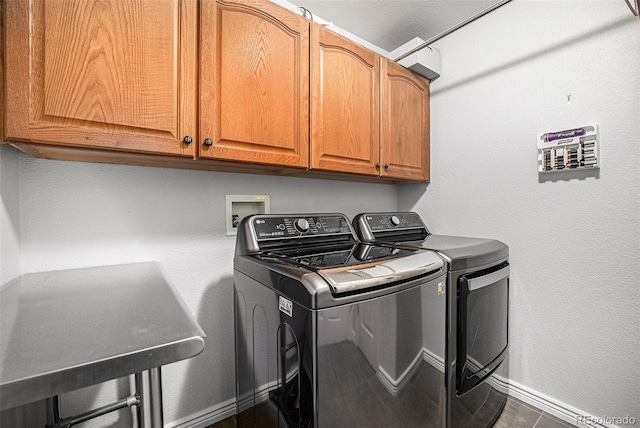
2	106
344	104
254	83
404	141
112	74
247	80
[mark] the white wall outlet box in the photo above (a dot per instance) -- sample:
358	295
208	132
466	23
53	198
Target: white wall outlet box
241	206
569	150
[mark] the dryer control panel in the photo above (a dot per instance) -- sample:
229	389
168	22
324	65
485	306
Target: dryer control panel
393	221
388	226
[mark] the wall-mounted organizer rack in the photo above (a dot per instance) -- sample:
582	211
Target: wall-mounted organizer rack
577	148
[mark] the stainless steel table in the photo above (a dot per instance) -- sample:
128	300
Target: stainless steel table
64	330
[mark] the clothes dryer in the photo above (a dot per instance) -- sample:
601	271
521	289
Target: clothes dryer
477	312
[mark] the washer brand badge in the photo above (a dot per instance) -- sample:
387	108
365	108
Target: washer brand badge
441	288
285	306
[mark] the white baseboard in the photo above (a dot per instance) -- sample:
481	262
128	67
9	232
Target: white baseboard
523	393
206	417
557	408
534	398
261	395
433	360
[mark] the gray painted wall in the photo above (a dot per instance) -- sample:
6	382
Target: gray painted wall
574	241
9	215
574	238
75	214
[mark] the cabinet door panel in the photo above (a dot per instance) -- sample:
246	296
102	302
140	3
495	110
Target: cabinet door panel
345	106
2	105
404	141
112	74
258	77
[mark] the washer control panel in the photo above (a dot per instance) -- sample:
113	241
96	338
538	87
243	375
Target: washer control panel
278	227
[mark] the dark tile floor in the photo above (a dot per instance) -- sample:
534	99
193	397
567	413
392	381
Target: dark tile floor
516	414
350	393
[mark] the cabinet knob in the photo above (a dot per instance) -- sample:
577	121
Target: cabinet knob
378	165
386	166
187	139
208	142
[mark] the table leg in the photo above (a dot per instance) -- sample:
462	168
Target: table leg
52	411
149	390
155	390
140	407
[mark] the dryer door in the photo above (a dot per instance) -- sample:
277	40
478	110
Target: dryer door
482	333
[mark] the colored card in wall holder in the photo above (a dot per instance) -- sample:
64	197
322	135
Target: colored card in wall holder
571	149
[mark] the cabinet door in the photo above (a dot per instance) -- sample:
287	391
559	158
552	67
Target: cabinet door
111	74
254	84
404	141
344	105
2	105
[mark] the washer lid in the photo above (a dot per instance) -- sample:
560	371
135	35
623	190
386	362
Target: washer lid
350	279
335	276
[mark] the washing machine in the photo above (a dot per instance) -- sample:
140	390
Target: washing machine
477	327
332	332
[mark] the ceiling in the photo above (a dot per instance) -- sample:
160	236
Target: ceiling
389	24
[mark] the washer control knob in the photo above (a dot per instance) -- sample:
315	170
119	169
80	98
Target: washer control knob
302	225
394	220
